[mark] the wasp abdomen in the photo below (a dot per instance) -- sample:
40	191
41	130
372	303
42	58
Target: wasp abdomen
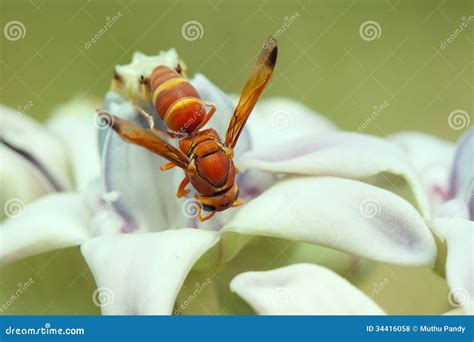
176	101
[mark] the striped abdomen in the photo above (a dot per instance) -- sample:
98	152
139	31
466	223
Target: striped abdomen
175	100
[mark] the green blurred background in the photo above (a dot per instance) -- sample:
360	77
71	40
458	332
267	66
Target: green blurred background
323	63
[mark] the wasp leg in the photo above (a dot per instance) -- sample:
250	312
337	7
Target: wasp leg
148	117
203	219
181	190
199	211
167	166
237	203
151	122
208	116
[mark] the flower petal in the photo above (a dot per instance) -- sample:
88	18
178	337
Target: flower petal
279	119
33	150
147	197
20	180
74	123
302	289
459	236
55	221
351	216
453	208
432	159
341	154
143	273
462	174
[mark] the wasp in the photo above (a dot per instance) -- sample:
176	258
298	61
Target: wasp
207	161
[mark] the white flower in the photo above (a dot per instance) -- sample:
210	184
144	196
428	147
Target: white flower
447	173
305	185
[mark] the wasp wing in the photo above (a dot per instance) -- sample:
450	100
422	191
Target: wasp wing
145	138
259	77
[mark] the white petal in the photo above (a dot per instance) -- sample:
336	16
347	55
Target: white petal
432	159
141	65
459	236
55	221
343	214
302	289
143	273
75	124
19	180
462	174
453	208
341	154
23	134
147	195
278	119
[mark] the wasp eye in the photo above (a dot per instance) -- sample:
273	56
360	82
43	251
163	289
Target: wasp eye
208	207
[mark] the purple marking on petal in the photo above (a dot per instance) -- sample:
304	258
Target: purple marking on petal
50	181
402	234
253	182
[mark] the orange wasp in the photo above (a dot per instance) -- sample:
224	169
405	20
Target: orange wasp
206	160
